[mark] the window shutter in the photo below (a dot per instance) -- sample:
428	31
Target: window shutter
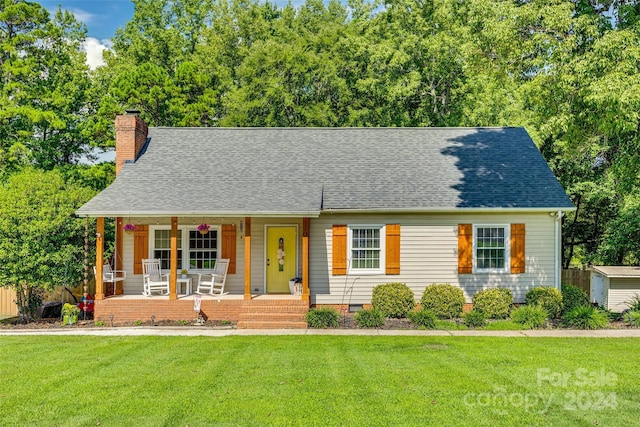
465	248
140	247
339	250
229	246
392	248
517	248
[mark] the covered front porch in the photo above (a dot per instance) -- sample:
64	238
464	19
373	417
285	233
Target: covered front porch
265	253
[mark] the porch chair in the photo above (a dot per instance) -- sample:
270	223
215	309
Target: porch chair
110	276
152	278
215	286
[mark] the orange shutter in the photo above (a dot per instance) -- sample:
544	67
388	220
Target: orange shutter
517	248
393	249
140	247
229	246
339	250
465	248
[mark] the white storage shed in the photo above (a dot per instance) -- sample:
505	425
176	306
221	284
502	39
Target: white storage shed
613	286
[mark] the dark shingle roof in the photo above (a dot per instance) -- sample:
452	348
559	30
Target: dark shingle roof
303	171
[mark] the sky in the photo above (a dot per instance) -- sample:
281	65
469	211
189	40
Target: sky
102	18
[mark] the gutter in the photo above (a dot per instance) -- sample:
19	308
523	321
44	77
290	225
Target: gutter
449	210
191	214
317	213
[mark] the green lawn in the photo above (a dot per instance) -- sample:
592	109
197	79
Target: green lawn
318	380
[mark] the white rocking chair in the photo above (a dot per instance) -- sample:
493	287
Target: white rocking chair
152	278
215	286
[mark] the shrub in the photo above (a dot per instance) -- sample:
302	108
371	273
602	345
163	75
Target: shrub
612	315
474	319
632	318
322	318
494	303
531	316
423	318
373	318
634	303
70	313
586	317
548	298
394	299
444	300
573	296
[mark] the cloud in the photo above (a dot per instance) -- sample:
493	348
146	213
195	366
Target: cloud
82	15
94	48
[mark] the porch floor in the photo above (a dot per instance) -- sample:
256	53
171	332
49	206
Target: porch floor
191	297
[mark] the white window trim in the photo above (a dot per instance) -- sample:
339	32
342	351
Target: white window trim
185	243
366	271
507	249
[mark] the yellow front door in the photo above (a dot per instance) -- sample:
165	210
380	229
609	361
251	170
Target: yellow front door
282	259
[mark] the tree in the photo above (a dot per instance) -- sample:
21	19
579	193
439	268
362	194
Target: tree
585	111
291	78
41	242
43	86
567	70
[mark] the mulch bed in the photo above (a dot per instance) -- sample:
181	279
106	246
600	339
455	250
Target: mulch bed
346	322
89	323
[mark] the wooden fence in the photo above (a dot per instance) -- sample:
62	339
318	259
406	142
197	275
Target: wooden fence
7	302
579	278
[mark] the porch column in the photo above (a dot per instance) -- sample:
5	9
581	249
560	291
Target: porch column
118	262
99	258
305	258
173	260
173	263
247	258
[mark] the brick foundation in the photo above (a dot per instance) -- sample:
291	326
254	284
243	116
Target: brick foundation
130	310
341	307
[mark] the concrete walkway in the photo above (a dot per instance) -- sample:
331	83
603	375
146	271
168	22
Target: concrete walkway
188	331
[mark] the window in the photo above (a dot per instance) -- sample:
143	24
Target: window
491	248
202	248
162	247
366	248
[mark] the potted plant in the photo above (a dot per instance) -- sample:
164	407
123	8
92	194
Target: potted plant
203	228
70	314
129	228
183	273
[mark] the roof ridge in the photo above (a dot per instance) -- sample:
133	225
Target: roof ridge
335	128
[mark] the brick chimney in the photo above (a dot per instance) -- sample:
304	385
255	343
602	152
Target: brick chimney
131	135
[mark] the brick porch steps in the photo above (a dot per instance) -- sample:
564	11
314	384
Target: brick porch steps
271	314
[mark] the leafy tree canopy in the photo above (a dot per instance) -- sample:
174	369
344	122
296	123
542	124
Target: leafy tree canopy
567	70
44	87
41	241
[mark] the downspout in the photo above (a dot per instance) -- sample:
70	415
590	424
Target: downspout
558	257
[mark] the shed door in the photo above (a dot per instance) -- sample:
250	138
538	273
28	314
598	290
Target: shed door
597	289
281	258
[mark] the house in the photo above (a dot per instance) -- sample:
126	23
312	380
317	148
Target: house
349	207
612	287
